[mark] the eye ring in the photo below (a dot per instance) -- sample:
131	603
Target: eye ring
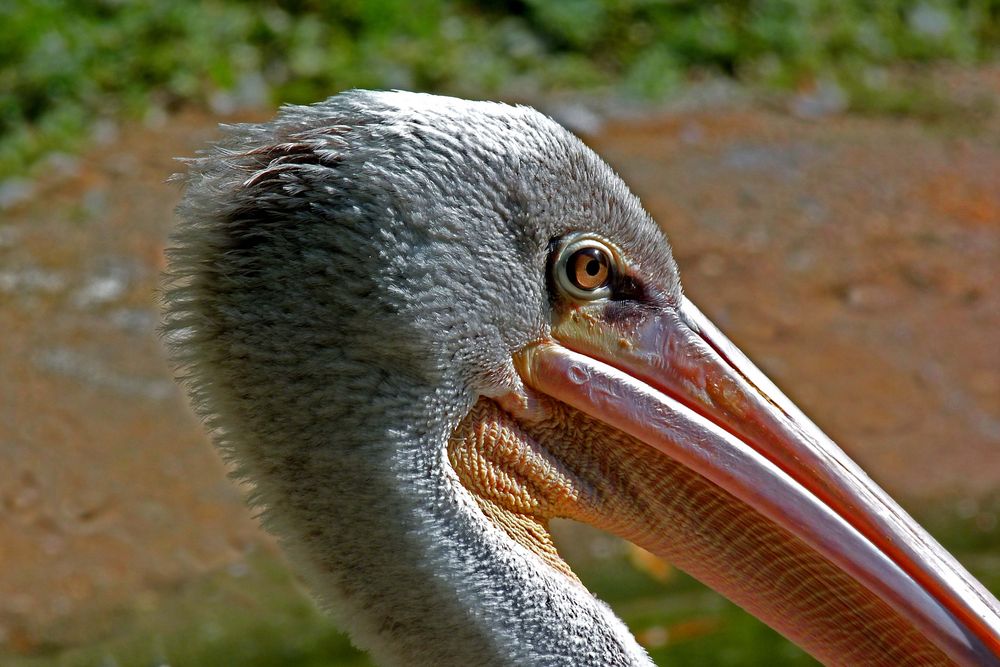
585	269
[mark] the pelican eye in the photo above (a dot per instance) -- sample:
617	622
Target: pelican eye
585	269
589	269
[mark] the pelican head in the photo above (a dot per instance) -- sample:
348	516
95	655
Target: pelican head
423	327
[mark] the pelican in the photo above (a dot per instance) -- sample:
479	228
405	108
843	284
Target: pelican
423	327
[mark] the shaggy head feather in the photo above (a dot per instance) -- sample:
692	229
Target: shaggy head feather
345	283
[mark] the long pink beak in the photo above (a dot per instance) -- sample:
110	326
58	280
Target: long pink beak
677	384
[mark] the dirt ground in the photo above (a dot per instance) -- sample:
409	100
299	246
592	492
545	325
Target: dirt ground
854	258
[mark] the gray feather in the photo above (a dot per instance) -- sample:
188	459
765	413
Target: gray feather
345	282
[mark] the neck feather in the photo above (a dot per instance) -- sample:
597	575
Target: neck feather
373	515
350	469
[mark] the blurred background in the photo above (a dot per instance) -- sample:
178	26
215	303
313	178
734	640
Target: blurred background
828	171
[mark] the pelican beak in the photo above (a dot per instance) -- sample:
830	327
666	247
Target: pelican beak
669	379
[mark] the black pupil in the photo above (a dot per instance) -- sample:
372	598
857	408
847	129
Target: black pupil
593	267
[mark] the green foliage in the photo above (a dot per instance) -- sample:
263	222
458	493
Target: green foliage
65	63
256	616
